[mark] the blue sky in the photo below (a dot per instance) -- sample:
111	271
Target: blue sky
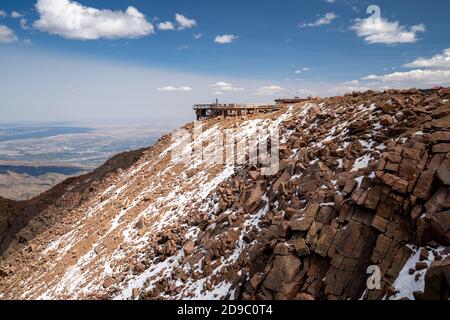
242	51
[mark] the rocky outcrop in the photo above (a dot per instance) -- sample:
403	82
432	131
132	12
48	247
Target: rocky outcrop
344	218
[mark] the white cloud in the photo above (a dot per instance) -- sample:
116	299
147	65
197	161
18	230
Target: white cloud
166	26
221	87
184	22
420	77
72	20
326	19
433	71
16	14
7	35
380	30
226	38
174	89
302	70
183	47
269	90
24	23
330	1
439	61
197	36
352	82
2	14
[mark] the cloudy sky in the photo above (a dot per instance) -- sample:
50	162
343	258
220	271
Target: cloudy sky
99	60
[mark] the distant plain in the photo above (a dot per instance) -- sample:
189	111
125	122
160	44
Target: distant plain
35	157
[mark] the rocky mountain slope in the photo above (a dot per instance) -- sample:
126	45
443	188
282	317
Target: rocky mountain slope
364	181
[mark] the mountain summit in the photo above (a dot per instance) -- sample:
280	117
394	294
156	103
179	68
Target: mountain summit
358	209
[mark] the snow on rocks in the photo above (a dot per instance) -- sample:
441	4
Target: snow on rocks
410	283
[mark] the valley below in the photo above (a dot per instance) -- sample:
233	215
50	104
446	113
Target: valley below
36	157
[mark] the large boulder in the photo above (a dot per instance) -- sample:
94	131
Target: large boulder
437	281
281	277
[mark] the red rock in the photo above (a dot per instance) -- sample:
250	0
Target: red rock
305	297
437	281
417	277
359	196
358	125
440	224
424	185
301	248
257	193
416	212
379	223
3	272
326	215
256	280
388	108
254	174
439	201
289	164
436	161
283	271
107	282
285	177
291	212
386	120
189	248
349	186
392	167
444	122
395	183
326	238
373	197
394	158
135	293
439	136
385	211
309	216
311	236
444	172
423	254
441	148
25	235
421	265
281	249
411	153
350	238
